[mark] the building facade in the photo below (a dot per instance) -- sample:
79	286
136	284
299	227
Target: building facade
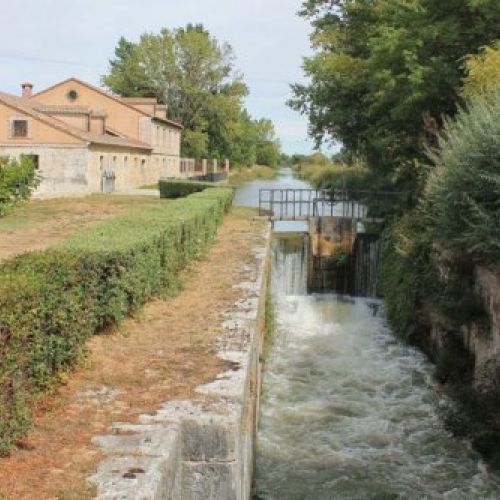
84	140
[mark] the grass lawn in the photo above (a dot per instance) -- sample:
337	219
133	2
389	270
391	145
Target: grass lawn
42	223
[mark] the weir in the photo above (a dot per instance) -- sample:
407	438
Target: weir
343	257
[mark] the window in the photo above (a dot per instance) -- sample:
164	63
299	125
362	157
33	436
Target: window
136	162
101	163
19	128
143	162
125	161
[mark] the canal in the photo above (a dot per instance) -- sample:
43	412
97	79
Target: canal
348	411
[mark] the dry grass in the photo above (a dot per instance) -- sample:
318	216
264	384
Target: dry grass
41	223
165	354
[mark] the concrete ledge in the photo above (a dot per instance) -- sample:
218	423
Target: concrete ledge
203	448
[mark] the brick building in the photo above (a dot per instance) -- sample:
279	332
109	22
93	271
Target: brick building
84	140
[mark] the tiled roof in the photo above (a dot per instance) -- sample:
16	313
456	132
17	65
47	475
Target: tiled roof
140	100
31	107
62	109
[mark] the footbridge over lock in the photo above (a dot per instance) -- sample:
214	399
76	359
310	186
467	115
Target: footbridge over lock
289	204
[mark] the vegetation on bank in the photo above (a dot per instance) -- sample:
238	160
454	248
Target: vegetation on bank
193	73
322	172
239	175
17	180
182	188
52	301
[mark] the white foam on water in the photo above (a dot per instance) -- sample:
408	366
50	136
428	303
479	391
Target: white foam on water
349	412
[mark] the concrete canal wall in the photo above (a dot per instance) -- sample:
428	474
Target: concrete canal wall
202	448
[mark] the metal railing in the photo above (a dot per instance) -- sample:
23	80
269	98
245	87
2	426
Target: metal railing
301	204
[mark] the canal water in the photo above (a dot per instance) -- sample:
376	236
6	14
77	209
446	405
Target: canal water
348	411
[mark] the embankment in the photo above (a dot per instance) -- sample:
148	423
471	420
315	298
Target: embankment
201	448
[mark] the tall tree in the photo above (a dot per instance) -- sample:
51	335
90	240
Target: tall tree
385	72
194	74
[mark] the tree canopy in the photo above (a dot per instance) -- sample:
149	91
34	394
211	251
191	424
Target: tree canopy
194	75
385	72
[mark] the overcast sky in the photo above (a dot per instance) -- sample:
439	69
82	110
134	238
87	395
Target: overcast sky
45	41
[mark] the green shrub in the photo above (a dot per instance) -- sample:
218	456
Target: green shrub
17	181
461	202
180	188
408	276
52	301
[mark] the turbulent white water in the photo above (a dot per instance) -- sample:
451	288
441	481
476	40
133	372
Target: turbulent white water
348	412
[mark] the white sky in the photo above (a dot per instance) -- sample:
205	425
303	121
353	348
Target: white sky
45	41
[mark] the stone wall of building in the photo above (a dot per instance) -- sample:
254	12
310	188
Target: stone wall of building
64	170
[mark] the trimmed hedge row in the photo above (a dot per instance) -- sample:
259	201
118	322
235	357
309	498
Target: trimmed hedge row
181	188
52	301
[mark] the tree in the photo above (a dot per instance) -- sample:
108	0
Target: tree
268	146
17	181
193	73
384	74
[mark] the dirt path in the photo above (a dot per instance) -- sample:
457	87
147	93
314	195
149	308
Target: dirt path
42	223
163	355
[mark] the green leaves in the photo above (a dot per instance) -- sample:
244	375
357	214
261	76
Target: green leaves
17	180
193	73
461	201
385	72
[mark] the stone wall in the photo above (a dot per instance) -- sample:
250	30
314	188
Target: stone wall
64	170
473	351
201	449
485	345
76	171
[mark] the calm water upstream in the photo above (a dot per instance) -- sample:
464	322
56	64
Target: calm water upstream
348	411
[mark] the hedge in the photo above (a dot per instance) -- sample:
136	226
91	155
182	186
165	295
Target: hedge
181	188
52	301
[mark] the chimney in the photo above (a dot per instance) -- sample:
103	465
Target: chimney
27	89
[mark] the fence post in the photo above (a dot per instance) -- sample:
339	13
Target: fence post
204	164
226	166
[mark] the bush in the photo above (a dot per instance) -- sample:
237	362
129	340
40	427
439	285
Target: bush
52	301
17	181
180	189
461	202
326	174
408	277
483	71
